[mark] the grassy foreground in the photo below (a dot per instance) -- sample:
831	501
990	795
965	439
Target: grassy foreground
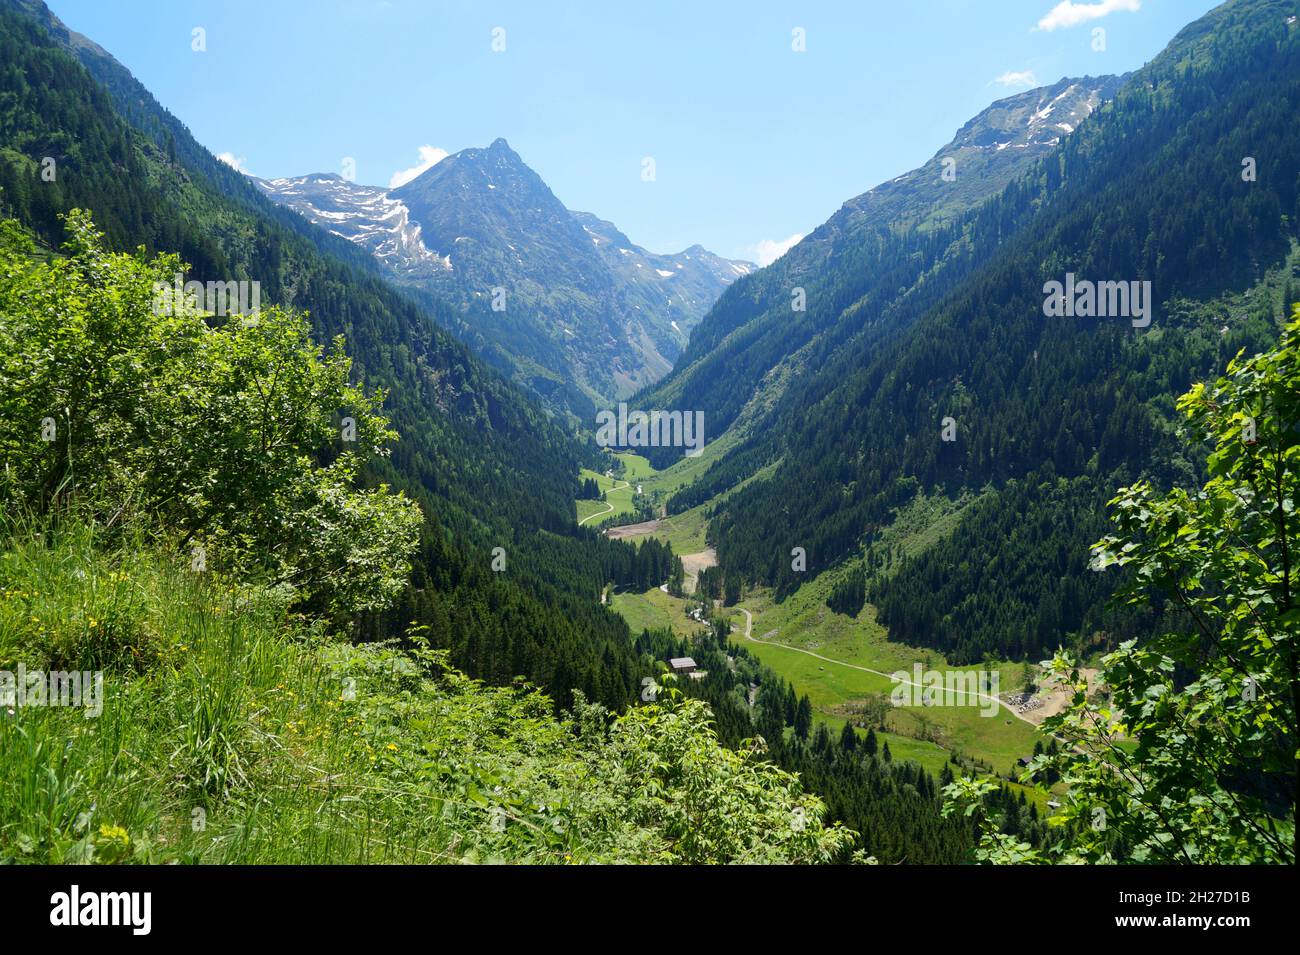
233	731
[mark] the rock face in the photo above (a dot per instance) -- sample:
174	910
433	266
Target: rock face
985	154
566	301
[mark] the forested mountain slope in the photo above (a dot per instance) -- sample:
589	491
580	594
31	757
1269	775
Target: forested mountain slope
903	241
1186	180
488	469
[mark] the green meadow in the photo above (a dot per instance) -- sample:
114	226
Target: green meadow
618	490
845	648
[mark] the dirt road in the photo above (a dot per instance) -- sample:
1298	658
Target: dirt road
609	508
625	531
749	631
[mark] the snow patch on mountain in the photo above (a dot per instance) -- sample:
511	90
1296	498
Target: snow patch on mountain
366	215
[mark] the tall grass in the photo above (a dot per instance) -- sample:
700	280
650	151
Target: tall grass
234	731
219	738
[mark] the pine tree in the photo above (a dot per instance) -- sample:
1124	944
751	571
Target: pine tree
803	718
848	738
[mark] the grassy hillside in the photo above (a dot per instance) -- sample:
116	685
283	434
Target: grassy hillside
230	731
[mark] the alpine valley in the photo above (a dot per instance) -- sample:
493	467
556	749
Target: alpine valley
582	314
947	566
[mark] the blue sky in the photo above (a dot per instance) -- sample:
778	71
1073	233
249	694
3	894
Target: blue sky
752	141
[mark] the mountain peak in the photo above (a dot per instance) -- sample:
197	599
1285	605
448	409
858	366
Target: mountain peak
594	308
498	151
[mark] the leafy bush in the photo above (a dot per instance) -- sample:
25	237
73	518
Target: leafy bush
227	431
1189	754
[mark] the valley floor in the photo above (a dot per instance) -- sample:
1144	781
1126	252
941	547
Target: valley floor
840	662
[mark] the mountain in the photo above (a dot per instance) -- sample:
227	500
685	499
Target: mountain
677	288
494	478
905	234
488	468
953	389
579	302
932	432
985	154
366	215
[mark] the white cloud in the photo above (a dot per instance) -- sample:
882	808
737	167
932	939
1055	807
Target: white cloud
1017	78
768	251
234	162
1069	14
430	156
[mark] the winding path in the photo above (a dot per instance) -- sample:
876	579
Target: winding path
607	504
749	630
